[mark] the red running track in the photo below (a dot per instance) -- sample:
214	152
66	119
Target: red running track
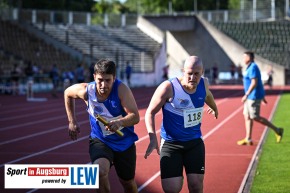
36	133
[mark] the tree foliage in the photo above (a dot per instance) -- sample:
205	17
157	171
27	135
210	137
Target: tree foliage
75	5
162	6
129	6
234	4
109	6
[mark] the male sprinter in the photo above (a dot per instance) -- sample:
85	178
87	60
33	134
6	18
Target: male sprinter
110	98
182	100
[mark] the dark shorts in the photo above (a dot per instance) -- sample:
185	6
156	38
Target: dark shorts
124	162
176	155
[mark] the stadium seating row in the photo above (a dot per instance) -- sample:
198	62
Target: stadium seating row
128	44
20	47
270	40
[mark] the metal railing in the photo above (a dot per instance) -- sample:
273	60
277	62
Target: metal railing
117	20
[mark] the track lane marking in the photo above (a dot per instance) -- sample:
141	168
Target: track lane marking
63	127
30	114
68	143
36	122
80	139
266	129
44	151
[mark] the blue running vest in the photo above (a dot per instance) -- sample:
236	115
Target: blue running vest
110	109
183	114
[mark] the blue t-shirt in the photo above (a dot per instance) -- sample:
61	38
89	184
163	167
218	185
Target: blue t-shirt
110	109
251	72
80	73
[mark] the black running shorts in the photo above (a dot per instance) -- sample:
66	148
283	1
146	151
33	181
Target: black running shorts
124	162
176	155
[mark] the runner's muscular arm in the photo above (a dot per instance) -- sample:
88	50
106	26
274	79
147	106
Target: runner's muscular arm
76	91
162	94
209	100
129	105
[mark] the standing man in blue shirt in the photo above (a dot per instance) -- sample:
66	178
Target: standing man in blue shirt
182	101
113	100
254	95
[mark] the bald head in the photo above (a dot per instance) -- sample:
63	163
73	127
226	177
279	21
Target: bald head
192	61
192	72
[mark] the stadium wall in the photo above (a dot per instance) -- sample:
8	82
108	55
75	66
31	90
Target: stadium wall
172	23
199	42
189	37
154	78
235	51
202	39
176	54
150	29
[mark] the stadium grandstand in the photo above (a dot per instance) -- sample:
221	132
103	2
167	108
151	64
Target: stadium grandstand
66	38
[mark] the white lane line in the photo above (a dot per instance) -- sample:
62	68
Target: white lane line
223	122
36	122
24	107
37	134
247	174
142	139
80	139
62	145
30	114
33	190
63	127
32	123
55	129
148	181
45	151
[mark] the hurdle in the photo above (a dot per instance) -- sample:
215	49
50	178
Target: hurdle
30	93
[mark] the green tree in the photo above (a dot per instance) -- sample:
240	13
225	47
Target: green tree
161	6
3	4
234	4
75	5
109	6
130	6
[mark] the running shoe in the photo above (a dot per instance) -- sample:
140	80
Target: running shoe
279	135
245	142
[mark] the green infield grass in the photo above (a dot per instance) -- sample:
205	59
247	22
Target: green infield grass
273	171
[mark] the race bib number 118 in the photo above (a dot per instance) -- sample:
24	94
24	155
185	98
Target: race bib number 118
192	117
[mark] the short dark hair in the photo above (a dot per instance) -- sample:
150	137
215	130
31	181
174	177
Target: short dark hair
251	54
105	66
